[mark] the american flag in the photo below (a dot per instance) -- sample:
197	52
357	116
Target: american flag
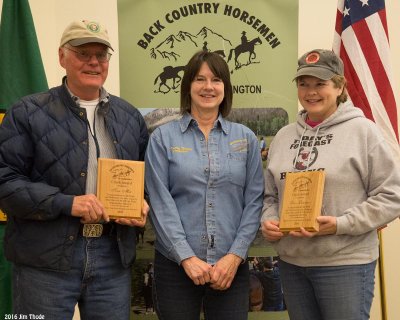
362	41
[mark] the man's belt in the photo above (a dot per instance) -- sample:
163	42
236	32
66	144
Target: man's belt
96	230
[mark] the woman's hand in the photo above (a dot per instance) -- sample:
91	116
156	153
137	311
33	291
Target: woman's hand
224	271
270	230
327	225
197	270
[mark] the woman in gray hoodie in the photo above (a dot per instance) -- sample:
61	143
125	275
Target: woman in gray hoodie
329	274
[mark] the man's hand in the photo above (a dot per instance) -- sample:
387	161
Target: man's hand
136	222
89	209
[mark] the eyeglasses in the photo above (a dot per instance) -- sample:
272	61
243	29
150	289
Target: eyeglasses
102	56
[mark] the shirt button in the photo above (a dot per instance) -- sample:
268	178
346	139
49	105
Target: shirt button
83	174
210	204
201	139
206	170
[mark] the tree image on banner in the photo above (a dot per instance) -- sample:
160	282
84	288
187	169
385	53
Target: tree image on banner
362	41
21	73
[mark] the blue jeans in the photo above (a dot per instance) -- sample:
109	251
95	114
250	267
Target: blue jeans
176	297
328	293
97	281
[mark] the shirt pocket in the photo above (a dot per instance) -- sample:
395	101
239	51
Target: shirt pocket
237	168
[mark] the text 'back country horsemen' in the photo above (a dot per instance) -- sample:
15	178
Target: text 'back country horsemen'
206	38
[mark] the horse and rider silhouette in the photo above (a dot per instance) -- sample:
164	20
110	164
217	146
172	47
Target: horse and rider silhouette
168	73
171	73
220	52
243	48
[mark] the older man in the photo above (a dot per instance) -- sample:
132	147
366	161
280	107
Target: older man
49	145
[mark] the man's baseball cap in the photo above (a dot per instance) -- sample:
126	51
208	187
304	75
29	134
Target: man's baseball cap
323	64
85	31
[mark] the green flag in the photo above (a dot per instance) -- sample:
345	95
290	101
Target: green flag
21	73
5	280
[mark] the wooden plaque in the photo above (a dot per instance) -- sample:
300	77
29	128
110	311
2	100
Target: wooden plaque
3	216
302	201
120	187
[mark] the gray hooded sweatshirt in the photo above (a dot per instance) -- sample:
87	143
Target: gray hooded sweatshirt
362	186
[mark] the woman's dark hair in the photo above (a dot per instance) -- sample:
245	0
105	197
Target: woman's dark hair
219	68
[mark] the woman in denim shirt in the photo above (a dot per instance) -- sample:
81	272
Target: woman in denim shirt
205	183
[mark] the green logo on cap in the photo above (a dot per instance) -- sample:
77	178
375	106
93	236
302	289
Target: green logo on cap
93	27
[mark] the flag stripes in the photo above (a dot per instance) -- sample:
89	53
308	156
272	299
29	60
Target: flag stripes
361	40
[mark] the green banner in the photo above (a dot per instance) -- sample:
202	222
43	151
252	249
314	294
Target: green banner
258	39
21	73
22	69
5	280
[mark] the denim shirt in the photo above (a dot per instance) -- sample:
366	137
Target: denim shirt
205	196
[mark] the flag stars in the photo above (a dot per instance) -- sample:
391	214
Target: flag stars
364	2
346	11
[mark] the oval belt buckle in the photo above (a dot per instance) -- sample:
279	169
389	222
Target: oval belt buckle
92	230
